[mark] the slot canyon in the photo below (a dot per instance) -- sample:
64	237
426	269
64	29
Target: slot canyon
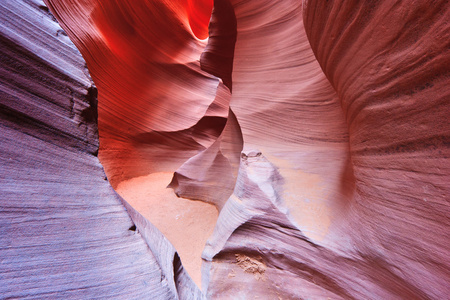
225	149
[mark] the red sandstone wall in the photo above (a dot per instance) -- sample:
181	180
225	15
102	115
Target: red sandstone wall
341	110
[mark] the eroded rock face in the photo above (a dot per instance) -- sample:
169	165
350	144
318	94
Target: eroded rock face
393	84
340	109
64	232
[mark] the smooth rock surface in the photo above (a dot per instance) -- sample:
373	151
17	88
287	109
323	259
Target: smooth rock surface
340	109
140	79
64	232
186	224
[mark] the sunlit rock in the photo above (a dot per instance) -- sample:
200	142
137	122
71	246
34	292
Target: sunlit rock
275	149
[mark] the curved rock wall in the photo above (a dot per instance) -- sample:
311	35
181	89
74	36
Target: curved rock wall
389	64
64	232
339	108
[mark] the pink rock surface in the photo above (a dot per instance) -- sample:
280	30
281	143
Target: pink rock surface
389	64
340	109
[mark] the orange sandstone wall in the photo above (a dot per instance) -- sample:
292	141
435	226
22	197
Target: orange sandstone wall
318	131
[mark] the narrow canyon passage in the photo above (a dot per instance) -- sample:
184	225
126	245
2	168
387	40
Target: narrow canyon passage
187	224
224	149
162	110
143	140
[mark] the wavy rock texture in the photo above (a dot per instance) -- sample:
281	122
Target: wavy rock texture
64	232
340	109
389	64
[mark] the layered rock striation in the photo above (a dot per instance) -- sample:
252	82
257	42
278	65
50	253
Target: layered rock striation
64	232
286	149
